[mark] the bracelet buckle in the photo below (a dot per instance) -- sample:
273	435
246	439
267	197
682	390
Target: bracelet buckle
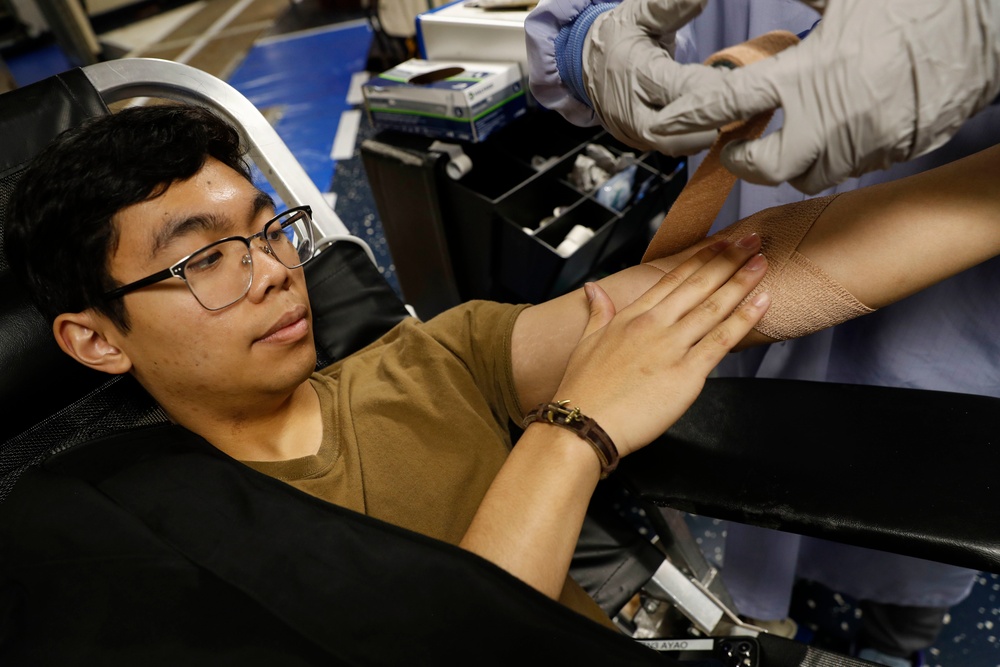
558	413
565	415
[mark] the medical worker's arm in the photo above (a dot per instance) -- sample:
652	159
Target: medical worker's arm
612	63
874	83
880	244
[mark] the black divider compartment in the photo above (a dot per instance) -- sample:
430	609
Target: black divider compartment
493	173
519	178
537	199
532	270
653	193
543	136
563	167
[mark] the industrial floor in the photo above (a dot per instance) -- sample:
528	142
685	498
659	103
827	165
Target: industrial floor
301	61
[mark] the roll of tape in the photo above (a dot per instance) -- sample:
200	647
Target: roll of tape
458	166
577	236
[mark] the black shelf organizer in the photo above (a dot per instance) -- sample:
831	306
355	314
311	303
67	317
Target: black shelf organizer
453	240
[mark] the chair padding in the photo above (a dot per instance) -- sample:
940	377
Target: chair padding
899	470
37	377
352	304
222	559
34	115
613	559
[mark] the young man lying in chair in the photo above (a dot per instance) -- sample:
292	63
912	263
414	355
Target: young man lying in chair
141	236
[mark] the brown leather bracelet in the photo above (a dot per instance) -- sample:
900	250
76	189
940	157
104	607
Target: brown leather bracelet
560	415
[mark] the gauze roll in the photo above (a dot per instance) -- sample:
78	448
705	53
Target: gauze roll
804	298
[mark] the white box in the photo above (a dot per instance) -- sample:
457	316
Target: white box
460	32
459	100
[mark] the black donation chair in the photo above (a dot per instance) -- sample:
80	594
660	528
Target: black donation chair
342	588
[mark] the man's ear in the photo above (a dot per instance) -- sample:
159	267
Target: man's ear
84	336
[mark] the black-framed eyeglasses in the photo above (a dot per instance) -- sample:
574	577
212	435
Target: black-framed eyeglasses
220	274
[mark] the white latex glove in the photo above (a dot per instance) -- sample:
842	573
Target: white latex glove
630	75
877	82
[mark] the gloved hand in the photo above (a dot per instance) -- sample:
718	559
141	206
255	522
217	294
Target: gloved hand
612	64
876	82
629	72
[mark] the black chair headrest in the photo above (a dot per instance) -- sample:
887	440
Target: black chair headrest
37	377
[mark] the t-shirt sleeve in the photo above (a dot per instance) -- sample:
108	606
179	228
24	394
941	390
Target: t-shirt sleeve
478	333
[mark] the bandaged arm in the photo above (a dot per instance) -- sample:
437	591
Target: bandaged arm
838	257
879	244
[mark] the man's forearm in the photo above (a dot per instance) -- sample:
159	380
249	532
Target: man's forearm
529	521
888	241
833	259
540	346
628	375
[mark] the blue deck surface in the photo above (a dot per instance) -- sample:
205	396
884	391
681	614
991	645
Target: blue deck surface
37	64
305	77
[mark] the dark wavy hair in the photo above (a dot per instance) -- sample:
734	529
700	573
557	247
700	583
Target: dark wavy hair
60	232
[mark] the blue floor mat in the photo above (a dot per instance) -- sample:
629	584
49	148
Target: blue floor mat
308	104
303	80
37	64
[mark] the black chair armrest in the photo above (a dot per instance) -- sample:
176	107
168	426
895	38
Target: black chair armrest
900	470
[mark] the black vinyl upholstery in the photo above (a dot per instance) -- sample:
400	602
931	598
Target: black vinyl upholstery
31	117
894	469
37	377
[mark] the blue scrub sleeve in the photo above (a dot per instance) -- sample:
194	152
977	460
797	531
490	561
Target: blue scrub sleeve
555	33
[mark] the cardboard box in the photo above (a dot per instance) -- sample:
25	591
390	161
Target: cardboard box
464	31
464	101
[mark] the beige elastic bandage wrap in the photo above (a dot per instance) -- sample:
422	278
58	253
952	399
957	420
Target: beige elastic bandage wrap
804	299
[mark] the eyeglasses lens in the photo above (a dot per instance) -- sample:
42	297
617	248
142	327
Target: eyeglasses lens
291	239
220	274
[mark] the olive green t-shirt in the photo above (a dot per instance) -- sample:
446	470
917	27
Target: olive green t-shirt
415	426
